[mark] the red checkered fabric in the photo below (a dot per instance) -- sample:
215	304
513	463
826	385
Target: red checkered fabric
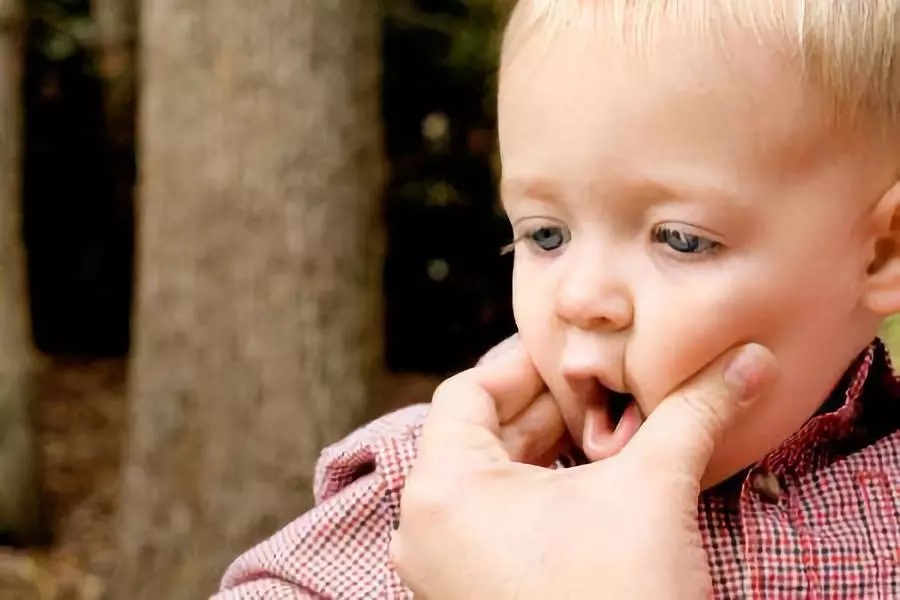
817	518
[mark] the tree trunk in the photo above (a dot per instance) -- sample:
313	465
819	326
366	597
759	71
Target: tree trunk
20	511
258	310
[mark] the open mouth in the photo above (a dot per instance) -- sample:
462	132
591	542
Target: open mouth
608	427
617	403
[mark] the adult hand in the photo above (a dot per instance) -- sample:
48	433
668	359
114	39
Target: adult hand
480	518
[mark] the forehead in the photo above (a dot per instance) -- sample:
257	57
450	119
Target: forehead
595	100
635	24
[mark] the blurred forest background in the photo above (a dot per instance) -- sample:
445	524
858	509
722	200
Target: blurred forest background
231	232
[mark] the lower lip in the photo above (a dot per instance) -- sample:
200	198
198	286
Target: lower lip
599	442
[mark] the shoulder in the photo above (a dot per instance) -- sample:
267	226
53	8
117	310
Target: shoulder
340	548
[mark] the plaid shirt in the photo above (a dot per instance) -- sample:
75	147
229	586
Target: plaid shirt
819	517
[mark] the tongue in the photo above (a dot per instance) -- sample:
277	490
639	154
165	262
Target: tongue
603	439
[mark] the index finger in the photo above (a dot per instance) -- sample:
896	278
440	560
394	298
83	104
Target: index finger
508	377
469	408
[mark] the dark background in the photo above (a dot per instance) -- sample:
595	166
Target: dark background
446	302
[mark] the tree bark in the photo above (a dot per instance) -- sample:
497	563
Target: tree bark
21	517
258	319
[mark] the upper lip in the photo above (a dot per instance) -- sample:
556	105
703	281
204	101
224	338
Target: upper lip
584	356
612	386
583	377
593	389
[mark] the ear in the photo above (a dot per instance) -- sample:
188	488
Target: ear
882	295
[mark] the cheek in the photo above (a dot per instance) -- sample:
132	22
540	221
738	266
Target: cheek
533	309
679	332
532	300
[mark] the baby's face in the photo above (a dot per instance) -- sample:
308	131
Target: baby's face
671	205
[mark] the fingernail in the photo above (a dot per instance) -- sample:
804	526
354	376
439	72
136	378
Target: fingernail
499	350
746	371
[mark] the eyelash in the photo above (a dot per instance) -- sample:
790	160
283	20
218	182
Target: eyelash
530	235
688	243
678	241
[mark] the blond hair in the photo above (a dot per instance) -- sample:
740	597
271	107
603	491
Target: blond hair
848	48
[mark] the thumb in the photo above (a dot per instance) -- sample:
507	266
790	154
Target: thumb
681	434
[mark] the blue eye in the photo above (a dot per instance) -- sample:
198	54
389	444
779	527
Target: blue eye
548	238
683	242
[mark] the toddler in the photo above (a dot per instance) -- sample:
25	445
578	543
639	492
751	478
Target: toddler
681	177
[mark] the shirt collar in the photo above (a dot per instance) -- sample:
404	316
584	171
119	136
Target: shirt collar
822	439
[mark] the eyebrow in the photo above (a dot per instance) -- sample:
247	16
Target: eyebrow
527	187
647	191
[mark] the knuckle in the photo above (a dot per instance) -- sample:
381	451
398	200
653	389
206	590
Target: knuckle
709	416
703	424
517	444
424	499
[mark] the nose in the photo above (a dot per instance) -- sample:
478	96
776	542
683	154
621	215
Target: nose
594	297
